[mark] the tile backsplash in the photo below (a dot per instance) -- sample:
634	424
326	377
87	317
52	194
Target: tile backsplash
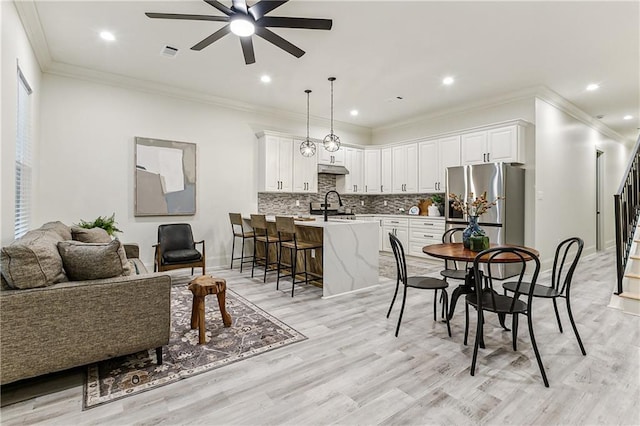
271	203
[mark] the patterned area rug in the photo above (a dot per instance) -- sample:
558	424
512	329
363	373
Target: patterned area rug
253	332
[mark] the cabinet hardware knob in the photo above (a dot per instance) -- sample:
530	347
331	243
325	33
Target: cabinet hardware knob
484	157
381	188
488	155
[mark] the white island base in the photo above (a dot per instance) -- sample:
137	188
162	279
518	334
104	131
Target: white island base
349	256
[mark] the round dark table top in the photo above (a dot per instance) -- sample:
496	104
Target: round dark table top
456	251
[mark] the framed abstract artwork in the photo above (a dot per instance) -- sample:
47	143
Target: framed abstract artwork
165	178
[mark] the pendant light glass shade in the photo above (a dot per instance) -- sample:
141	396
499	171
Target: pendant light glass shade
307	147
331	142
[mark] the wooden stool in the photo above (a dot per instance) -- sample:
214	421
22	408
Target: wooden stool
201	287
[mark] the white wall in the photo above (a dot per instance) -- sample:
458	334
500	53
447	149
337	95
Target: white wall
565	180
87	168
460	120
15	50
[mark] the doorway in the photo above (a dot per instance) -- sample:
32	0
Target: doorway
599	204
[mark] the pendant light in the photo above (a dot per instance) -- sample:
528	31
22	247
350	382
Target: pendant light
307	147
331	142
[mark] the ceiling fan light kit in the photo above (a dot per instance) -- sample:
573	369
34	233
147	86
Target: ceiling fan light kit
244	21
307	147
331	142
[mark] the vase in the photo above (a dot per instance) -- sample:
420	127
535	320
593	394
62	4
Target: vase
470	230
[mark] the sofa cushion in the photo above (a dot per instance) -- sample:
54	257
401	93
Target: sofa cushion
93	235
59	228
185	255
33	260
92	261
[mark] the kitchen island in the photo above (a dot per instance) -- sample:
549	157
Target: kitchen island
348	261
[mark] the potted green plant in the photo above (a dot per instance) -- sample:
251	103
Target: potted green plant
106	223
438	200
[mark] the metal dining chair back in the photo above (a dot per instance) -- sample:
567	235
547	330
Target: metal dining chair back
453	235
485	298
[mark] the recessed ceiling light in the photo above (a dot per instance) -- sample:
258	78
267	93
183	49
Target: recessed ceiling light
628	117
354	112
448	80
108	36
265	79
593	86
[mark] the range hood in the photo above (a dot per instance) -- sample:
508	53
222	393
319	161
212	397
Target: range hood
332	170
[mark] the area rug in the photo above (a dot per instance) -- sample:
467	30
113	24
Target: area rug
253	332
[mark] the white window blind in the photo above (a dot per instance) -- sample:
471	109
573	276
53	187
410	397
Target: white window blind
23	158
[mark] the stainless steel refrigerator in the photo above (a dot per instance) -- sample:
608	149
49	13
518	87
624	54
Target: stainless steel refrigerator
504	222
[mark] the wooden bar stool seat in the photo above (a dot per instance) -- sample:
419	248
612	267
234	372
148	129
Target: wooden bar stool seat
237	227
288	236
201	287
261	235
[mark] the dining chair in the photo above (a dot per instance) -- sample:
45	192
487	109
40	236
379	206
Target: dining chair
289	239
567	253
176	249
422	283
450	266
261	234
237	227
485	298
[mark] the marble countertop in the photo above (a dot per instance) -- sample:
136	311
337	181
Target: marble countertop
410	216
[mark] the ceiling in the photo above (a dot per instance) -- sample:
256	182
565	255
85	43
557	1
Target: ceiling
378	50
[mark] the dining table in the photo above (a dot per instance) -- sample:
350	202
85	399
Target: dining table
458	252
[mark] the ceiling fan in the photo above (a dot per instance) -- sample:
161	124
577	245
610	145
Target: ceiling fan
244	20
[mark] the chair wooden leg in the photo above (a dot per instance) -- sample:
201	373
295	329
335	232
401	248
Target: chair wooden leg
194	312
535	350
266	264
253	263
226	318
233	250
573	324
294	258
555	308
201	324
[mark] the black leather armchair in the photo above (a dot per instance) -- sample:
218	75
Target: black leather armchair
176	249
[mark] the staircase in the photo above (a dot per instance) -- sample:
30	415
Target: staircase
629	298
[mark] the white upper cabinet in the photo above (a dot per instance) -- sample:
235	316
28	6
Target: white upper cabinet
435	156
275	164
336	158
353	183
372	171
501	144
405	168
386	171
305	171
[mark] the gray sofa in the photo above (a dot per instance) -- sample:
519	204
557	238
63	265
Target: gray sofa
72	323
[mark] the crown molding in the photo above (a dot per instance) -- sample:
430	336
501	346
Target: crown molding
28	14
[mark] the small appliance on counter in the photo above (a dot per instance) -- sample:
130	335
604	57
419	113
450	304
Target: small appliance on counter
333	210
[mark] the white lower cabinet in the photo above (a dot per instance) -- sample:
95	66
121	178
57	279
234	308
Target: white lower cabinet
398	227
424	231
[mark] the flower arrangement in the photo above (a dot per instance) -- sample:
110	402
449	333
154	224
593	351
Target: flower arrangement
472	206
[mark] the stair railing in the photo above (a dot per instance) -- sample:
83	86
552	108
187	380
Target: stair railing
626	206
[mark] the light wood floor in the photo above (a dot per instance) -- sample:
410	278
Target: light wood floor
352	370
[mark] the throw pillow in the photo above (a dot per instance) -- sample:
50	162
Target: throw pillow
33	260
93	261
93	235
58	227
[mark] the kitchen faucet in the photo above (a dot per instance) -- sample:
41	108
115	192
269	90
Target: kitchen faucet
326	204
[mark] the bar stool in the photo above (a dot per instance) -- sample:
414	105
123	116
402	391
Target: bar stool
261	233
236	221
288	239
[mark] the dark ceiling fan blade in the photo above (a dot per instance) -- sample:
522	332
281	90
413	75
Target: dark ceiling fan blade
263	7
213	37
247	50
283	44
285	22
221	7
187	17
239	5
